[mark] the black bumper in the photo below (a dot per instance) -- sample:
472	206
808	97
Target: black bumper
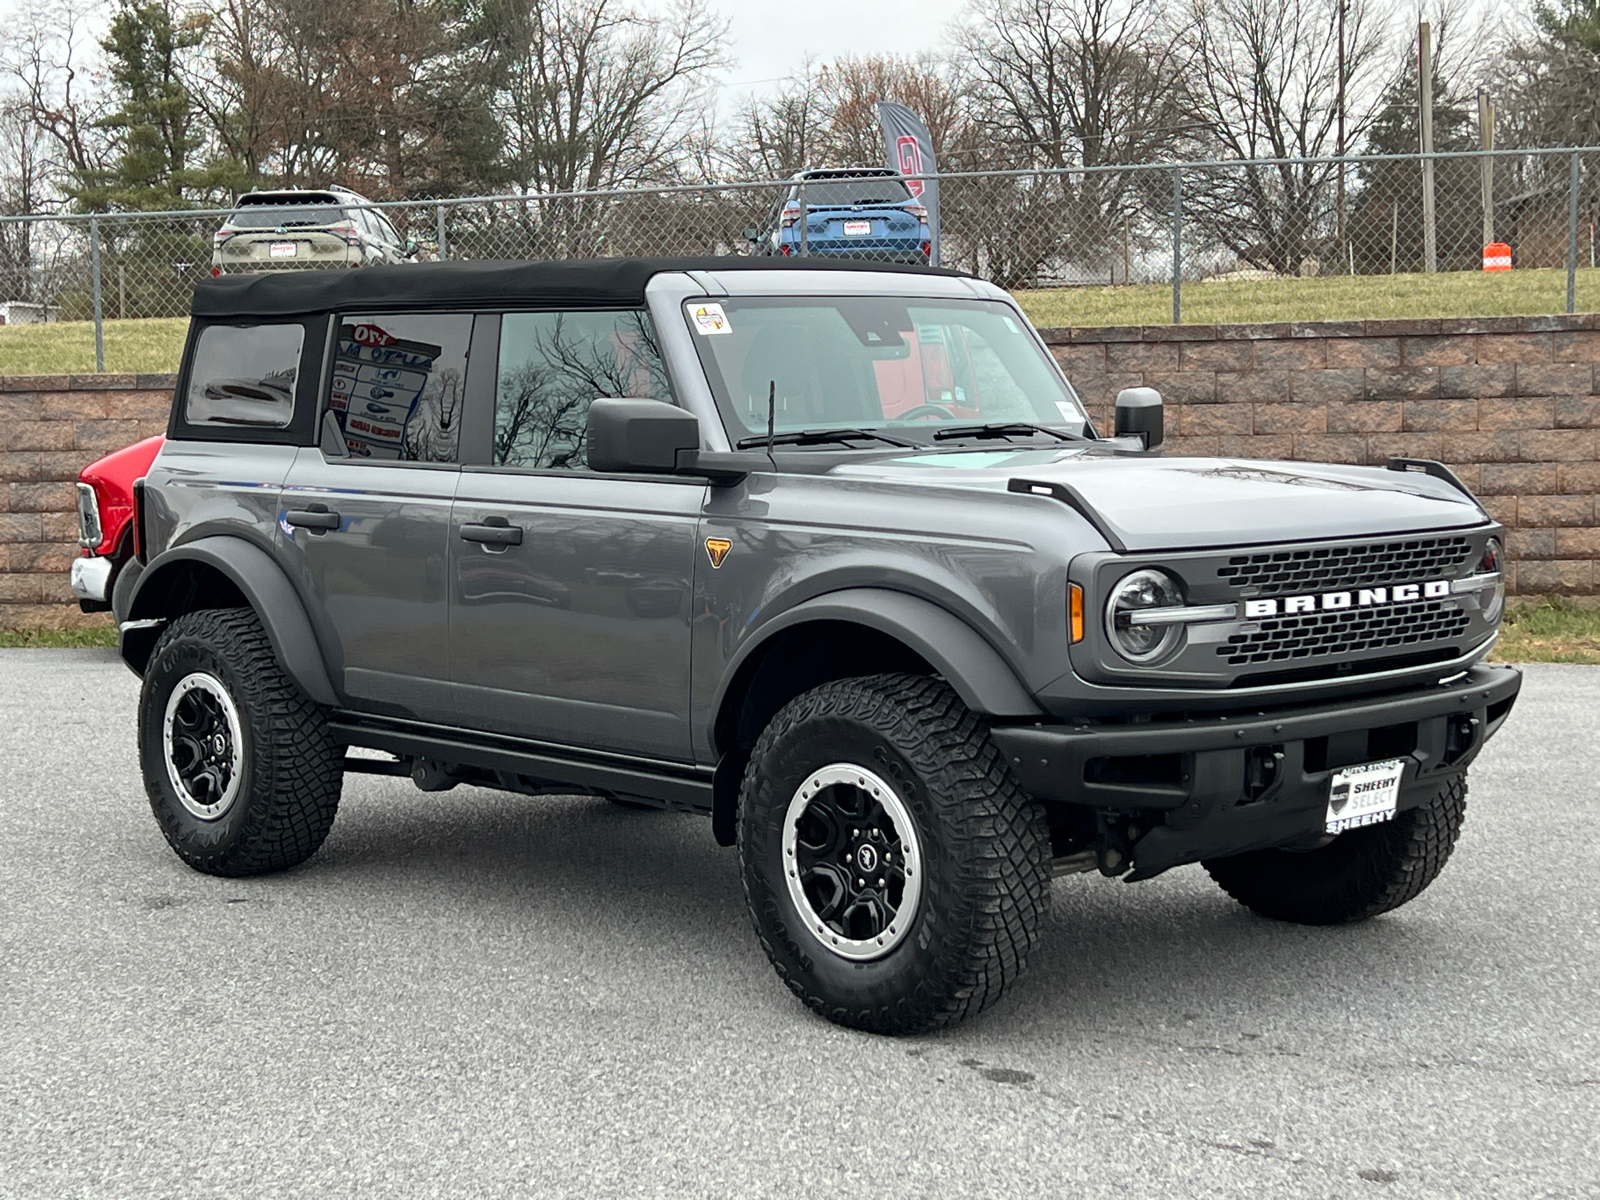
1210	786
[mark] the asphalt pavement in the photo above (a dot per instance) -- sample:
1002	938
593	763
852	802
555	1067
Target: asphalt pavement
478	994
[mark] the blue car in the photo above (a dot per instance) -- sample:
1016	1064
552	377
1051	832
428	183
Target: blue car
850	212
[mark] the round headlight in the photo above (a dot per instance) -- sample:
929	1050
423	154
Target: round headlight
1490	562
1142	590
1494	603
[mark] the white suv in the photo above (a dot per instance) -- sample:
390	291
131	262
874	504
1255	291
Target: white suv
298	229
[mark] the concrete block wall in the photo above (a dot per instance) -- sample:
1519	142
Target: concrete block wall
50	428
1511	404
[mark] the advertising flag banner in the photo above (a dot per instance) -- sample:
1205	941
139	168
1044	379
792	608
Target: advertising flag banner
910	150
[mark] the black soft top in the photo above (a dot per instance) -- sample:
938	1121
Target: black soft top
573	283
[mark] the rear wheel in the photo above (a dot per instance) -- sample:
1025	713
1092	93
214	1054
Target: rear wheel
894	870
1361	873
242	774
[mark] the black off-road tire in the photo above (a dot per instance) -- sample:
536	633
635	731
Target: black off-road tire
292	771
1361	873
984	844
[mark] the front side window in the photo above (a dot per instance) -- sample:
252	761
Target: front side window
244	375
912	365
553	365
398	384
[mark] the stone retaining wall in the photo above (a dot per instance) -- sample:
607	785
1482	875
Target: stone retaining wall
1511	404
53	426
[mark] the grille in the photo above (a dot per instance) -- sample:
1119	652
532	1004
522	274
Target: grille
1347	631
1329	568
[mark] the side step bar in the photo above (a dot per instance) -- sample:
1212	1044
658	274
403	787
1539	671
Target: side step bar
678	785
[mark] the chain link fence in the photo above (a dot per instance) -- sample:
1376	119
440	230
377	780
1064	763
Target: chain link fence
1277	239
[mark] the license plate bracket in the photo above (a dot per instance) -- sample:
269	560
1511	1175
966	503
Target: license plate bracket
281	250
857	228
1364	795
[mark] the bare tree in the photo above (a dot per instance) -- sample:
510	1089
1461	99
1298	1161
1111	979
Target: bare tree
592	94
1264	84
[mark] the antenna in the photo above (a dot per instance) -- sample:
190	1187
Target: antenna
772	412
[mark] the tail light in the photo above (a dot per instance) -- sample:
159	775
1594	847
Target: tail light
221	236
790	214
927	249
351	236
216	272
785	250
919	211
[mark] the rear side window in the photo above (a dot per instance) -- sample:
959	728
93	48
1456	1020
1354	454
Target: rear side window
244	375
553	365
397	385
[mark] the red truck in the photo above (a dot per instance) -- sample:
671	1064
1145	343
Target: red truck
105	521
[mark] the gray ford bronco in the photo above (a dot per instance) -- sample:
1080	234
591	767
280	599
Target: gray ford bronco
830	552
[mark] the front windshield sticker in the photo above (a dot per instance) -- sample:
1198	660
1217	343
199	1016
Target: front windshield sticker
710	319
1069	412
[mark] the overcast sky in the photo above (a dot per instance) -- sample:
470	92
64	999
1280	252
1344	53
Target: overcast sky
772	41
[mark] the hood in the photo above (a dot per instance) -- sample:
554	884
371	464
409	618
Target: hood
1197	503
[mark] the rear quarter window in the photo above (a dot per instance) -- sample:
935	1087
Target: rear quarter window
244	376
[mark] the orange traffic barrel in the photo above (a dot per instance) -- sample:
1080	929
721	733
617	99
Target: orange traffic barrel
1497	257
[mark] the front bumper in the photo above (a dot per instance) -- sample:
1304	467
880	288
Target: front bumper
1208	786
91	579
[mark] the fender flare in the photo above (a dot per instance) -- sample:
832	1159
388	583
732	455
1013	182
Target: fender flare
972	666
266	588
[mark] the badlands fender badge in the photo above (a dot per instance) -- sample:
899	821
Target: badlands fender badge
717	550
1405	593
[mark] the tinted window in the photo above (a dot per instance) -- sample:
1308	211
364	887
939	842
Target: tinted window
397	385
842	193
290	216
244	375
553	365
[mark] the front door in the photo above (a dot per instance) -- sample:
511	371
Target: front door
363	519
570	591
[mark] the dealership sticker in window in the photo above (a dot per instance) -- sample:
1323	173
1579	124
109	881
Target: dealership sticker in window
710	319
1364	795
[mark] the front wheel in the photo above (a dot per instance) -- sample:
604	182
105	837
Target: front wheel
894	870
1361	873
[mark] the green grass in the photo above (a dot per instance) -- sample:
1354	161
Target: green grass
67	347
1554	630
155	345
58	639
1332	298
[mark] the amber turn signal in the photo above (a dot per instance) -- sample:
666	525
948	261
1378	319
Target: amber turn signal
1075	611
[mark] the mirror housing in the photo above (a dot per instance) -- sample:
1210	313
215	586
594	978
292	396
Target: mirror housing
411	247
750	233
1139	414
652	437
640	437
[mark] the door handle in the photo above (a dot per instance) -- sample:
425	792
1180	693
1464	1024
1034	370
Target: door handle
493	535
316	519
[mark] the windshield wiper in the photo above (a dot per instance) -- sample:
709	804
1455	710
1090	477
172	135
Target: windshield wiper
995	429
813	437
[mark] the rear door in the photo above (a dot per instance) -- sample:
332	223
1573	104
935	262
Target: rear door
363	517
570	591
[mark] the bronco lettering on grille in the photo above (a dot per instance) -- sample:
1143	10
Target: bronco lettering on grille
1403	593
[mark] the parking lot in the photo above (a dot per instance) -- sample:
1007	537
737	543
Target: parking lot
472	993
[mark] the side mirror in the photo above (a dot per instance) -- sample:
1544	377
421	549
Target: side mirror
750	233
411	247
641	437
1139	414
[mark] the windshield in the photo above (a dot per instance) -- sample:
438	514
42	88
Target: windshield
913	366
845	193
271	216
